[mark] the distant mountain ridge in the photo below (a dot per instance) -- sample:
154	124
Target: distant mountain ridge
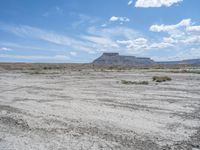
116	59
186	62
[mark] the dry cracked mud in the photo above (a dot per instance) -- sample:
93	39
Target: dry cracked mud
91	110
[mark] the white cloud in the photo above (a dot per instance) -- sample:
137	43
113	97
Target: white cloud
168	28
114	18
107	39
28	57
160	45
59	57
182	37
84	20
156	3
130	2
96	39
31	46
5	49
54	11
136	44
142	44
120	39
124	40
169	40
104	25
73	53
121	19
103	41
122	32
193	39
193	28
183	33
48	36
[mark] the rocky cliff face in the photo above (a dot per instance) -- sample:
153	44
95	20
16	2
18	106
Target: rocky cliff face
116	59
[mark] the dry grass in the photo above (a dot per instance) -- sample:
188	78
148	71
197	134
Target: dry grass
186	71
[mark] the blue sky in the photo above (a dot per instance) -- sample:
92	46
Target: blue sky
80	30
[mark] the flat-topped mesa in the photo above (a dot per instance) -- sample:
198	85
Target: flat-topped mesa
110	54
116	59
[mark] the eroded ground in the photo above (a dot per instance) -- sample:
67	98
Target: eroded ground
91	110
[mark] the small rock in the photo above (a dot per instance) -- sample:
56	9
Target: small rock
3	112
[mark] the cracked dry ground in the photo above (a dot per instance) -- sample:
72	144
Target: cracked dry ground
88	110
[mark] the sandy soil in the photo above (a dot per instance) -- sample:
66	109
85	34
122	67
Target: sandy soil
90	110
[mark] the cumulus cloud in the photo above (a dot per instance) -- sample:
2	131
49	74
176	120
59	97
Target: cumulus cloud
167	28
114	18
139	43
120	19
156	3
183	32
193	28
144	44
180	35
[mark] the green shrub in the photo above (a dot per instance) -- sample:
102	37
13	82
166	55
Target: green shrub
161	78
134	82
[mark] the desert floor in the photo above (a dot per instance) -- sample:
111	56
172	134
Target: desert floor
93	110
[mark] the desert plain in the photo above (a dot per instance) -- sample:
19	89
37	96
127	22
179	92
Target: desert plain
91	109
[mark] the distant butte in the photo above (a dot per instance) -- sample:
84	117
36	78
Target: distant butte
116	59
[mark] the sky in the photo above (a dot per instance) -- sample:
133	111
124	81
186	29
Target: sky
78	31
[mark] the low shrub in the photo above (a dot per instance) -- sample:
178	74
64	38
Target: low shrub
161	78
134	82
36	72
